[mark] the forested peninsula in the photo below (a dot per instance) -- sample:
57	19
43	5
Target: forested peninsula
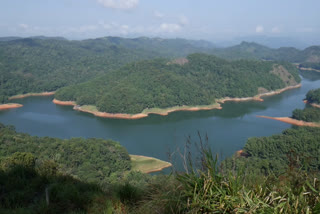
199	80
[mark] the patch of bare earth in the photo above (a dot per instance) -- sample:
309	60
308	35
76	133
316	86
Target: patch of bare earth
314	59
262	90
180	61
284	74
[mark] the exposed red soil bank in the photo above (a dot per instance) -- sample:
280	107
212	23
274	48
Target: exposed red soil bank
312	104
292	121
10	106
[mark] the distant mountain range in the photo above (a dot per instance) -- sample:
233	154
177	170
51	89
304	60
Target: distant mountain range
272	42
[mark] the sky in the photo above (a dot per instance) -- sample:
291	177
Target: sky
213	20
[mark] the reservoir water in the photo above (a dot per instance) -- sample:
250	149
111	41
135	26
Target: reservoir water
227	129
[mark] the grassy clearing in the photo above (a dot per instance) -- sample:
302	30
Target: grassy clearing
147	164
89	108
180	108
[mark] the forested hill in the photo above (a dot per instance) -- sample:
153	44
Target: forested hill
197	80
45	64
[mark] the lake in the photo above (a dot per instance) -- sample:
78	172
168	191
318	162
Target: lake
227	129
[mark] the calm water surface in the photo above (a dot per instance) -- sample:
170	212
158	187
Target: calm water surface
227	129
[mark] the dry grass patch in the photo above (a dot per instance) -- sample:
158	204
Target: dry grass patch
148	164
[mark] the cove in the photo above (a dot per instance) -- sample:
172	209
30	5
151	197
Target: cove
155	136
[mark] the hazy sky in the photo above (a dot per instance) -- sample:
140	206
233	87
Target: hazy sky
197	19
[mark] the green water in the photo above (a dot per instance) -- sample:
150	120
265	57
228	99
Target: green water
227	129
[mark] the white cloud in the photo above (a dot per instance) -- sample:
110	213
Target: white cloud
259	29
119	4
24	26
275	30
169	28
183	20
158	14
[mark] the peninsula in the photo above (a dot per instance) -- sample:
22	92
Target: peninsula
292	121
93	110
198	82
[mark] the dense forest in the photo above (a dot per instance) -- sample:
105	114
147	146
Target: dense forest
38	64
272	155
91	160
276	174
308	114
162	83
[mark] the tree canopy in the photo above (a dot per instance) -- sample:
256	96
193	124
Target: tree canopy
94	160
313	96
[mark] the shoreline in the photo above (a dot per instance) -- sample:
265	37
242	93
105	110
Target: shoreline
292	121
309	69
312	104
240	153
166	111
10	106
20	96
